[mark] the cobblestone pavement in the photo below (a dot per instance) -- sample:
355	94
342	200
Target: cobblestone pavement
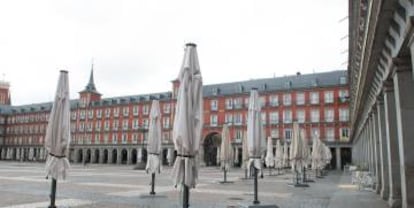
23	185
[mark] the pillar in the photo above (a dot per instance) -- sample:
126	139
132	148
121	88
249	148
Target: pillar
84	156
404	102
129	157
110	156
394	199
118	156
236	154
201	156
377	152
139	155
101	156
338	158
218	156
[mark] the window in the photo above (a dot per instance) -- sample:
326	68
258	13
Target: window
264	120
213	120
246	102
114	138
300	98
343	114
125	111
329	115
135	138
238	119
329	97
125	125
135	124
288	134
330	134
274	100
228	118
314	97
124	138
287	116
90	114
166	136
275	133
115	125
213	105
344	134
116	112
145	123
287	99
106	125
106	138
81	126
342	80
238	103
166	108
97	139
98	126
135	110
229	103
166	122
82	114
99	113
343	95
107	112
315	115
239	135
73	116
274	117
301	116
145	109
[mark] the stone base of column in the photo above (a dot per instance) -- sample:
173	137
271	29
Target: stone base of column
394	203
378	189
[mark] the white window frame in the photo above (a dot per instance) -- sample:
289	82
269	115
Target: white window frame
287	99
314	97
300	98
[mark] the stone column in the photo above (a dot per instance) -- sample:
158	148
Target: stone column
118	156
218	156
338	158
84	156
129	157
101	155
377	153
139	155
201	156
236	154
404	102
394	199
93	156
110	156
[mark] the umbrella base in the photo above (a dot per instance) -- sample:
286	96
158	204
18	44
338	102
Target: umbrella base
224	182
299	185
262	206
152	196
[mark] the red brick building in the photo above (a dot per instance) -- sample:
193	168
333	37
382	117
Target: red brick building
114	130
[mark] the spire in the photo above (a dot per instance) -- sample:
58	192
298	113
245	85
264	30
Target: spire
91	84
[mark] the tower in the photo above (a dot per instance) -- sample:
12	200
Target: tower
89	94
5	93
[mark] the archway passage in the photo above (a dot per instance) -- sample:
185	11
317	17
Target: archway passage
134	156
80	156
164	159
96	156
332	164
114	156
105	156
210	145
346	156
88	156
124	156
144	155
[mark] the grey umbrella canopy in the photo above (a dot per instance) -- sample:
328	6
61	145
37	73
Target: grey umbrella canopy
188	120
255	141
225	150
154	139
270	159
57	137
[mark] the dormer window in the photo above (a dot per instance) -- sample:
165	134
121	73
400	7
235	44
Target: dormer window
342	80
288	84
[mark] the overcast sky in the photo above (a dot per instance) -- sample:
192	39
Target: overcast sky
138	45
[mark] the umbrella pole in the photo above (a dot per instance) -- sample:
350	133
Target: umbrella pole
245	173
53	194
186	193
152	184
225	175
256	201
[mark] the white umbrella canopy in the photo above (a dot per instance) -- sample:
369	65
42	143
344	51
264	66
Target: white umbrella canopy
270	159
188	120
57	137
296	154
305	149
255	140
154	139
170	156
226	154
245	152
285	160
279	155
316	156
328	154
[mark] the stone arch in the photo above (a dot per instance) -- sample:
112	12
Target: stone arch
124	156
114	156
96	156
144	155
134	156
210	144
105	156
80	155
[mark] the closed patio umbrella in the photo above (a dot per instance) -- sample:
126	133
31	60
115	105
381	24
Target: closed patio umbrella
285	160
255	140
57	137
154	143
170	156
225	151
270	159
188	122
279	155
245	155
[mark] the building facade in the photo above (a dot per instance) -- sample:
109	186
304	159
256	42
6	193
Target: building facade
380	68
114	130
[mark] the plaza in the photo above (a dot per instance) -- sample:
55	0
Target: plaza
24	185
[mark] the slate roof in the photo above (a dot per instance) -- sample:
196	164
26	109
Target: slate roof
305	81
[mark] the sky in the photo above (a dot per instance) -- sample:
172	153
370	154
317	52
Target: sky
137	46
